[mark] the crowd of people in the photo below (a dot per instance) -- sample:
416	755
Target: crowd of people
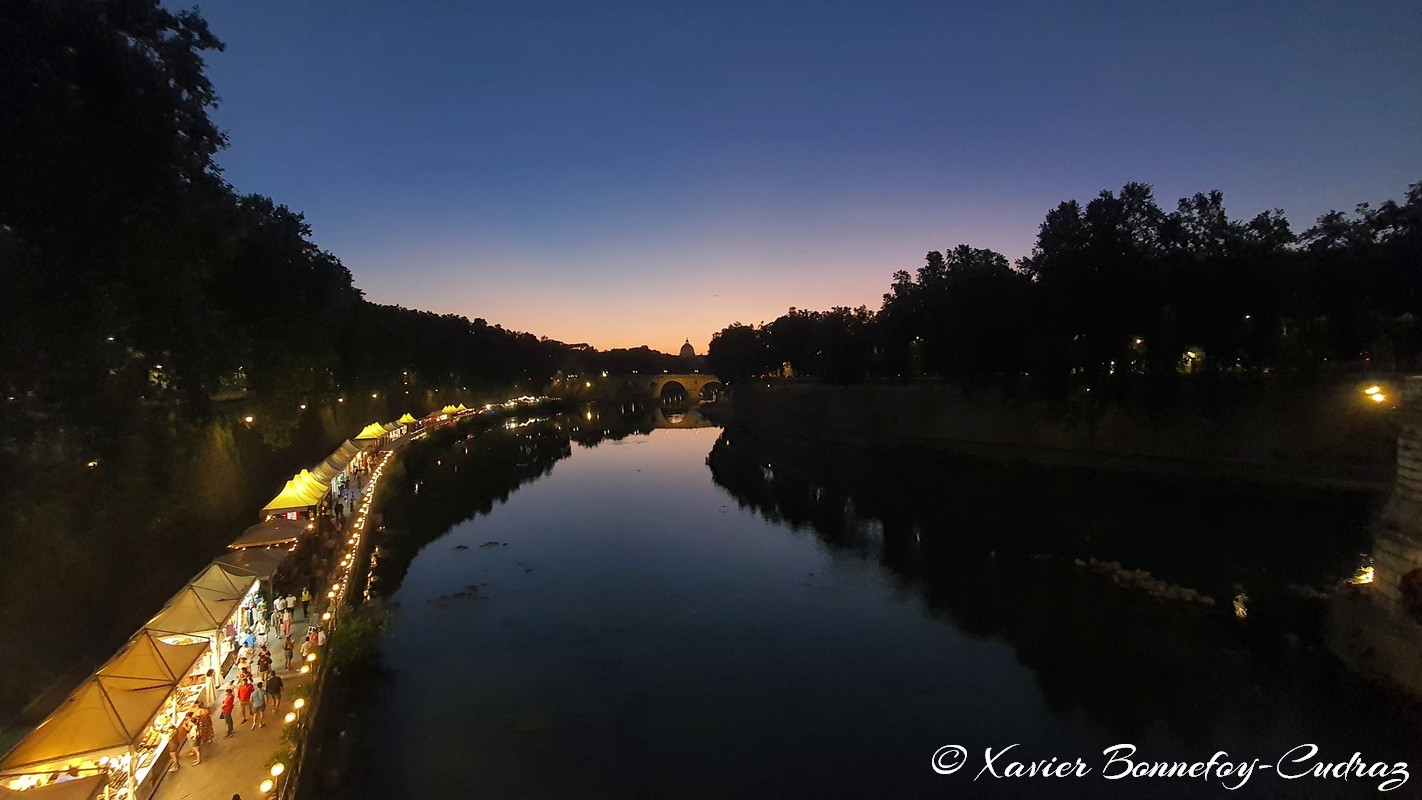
253	693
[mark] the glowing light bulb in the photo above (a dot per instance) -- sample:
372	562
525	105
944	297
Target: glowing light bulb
277	769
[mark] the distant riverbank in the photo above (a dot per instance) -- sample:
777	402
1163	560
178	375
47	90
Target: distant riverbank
1323	435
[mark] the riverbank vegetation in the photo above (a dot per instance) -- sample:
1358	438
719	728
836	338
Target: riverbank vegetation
1118	291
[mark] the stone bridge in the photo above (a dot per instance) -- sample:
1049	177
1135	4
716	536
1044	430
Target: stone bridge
696	386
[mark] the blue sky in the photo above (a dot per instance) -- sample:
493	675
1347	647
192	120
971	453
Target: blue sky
630	173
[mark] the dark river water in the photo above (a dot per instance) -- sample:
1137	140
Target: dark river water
598	608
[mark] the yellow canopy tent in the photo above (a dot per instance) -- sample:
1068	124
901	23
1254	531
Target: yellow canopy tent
146	658
335	463
372	431
85	788
406	419
460	407
196	613
224	582
448	410
193	612
303	491
104	715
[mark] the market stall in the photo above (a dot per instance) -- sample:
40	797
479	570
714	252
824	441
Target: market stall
261	563
115	727
302	493
226	583
272	533
213	617
370	434
62	786
336	463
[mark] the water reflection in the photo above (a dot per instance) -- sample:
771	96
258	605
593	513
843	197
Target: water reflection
814	622
997	552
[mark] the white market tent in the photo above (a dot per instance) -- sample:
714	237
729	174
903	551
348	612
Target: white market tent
272	532
335	463
259	562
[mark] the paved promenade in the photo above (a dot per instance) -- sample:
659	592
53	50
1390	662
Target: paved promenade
237	765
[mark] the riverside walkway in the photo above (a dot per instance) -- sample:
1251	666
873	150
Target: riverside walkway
238	764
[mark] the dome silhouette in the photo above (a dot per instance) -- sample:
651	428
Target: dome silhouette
687	351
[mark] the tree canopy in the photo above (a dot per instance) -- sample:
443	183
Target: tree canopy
1119	286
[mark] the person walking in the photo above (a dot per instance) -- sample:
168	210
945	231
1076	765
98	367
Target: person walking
259	706
305	601
307	647
274	686
244	699
291	601
229	700
286	622
288	648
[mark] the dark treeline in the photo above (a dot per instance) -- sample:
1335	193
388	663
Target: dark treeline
135	276
147	310
1121	287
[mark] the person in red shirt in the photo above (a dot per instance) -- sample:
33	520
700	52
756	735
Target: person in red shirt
244	699
228	701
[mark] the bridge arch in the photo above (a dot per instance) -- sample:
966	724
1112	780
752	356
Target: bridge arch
693	384
672	389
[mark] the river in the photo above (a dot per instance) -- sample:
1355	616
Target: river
593	607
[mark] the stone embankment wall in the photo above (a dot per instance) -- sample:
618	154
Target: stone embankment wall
1327	435
1397	550
1375	628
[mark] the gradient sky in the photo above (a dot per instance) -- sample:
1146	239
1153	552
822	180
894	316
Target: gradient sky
641	173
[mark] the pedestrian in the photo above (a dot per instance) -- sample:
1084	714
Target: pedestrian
307	646
305	600
274	686
320	637
173	746
264	662
194	742
250	640
288	648
229	700
291	601
259	706
286	622
262	629
244	699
